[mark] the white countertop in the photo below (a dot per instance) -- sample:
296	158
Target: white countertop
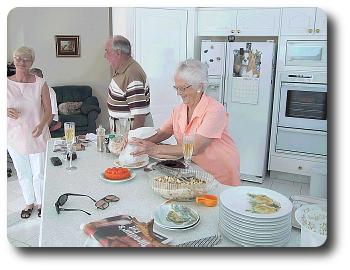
136	199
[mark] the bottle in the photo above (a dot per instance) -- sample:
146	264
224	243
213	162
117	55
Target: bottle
110	140
100	132
106	145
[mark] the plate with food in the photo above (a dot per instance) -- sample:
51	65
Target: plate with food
117	175
175	216
135	165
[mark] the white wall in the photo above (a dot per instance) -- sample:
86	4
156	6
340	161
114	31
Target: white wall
37	27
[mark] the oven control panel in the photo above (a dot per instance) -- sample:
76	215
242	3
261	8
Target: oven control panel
305	77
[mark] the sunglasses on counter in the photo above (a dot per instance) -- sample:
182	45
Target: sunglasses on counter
100	204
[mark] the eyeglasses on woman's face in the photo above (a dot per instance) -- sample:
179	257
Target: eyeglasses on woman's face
22	59
181	88
100	204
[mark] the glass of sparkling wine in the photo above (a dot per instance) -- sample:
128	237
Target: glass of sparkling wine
187	148
69	133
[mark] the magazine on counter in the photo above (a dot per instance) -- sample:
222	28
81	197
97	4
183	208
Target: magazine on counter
125	231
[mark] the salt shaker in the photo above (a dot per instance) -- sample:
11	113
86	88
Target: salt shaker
100	132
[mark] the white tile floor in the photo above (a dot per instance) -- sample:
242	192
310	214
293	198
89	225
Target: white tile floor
25	232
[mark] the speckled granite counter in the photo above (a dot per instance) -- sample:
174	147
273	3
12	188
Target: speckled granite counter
136	199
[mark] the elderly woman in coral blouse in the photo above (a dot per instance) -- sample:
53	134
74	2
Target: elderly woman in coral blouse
214	149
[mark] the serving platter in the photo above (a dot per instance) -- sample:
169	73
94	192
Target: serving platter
132	176
238	201
165	157
134	165
189	216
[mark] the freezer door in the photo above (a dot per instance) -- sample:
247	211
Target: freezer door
213	53
248	97
215	88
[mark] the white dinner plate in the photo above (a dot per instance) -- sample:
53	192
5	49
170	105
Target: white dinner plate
166	157
179	229
253	239
133	174
133	166
247	243
161	213
267	235
255	221
237	200
253	226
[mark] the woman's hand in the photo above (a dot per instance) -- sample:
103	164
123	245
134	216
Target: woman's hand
143	147
37	130
13	113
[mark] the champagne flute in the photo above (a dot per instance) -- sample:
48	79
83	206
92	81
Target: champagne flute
69	133
187	148
124	126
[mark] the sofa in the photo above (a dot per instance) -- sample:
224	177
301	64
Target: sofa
85	120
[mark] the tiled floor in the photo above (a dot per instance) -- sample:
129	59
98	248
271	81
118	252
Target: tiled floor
25	233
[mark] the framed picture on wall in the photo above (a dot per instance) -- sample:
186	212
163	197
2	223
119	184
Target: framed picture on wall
67	46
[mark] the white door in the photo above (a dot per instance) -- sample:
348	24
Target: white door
321	22
248	102
298	21
258	22
216	22
160	41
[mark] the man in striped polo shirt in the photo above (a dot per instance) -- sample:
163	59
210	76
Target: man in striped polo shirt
128	93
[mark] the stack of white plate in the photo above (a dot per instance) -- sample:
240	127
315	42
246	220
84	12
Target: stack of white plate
240	222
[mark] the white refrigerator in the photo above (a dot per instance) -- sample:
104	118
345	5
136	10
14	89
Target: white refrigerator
246	91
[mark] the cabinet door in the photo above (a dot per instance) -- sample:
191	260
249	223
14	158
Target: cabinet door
298	21
321	22
216	22
160	40
258	22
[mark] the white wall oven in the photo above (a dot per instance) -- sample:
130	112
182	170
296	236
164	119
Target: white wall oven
302	121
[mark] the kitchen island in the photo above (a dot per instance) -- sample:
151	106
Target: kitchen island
136	199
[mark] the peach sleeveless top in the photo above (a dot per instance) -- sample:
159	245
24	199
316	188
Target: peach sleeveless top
26	97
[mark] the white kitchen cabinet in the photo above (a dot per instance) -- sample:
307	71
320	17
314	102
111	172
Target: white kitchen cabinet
258	22
303	21
160	44
238	22
321	22
216	22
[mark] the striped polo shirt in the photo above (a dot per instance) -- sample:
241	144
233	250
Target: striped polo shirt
128	92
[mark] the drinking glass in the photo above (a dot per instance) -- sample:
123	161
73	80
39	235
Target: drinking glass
69	133
187	148
124	126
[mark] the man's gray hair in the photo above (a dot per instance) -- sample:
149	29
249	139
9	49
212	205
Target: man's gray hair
121	43
193	71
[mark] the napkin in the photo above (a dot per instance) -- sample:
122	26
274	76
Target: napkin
141	133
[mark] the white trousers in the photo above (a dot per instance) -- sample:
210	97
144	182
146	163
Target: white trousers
30	172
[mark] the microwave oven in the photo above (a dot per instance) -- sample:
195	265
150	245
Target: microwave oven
306	53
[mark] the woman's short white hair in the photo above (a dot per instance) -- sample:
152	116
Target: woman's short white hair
193	71
25	52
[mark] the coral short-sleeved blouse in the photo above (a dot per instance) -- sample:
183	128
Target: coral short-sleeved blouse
209	119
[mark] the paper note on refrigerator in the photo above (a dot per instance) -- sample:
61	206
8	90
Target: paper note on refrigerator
245	90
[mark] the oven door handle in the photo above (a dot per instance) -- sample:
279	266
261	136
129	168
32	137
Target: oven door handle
304	131
305	86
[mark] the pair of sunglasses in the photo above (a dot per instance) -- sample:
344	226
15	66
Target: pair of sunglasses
100	204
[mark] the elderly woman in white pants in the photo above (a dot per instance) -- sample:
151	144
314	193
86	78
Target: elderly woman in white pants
28	111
